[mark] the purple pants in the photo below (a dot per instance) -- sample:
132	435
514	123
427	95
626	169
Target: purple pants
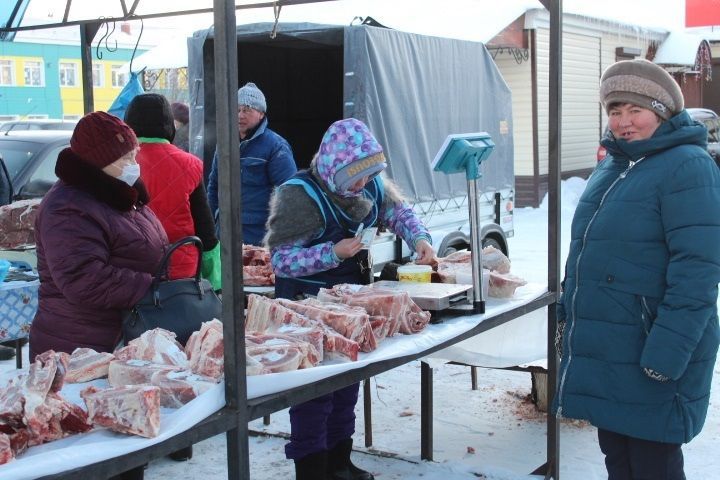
321	423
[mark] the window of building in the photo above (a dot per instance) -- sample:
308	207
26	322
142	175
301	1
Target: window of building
33	72
7	67
97	73
119	79
68	74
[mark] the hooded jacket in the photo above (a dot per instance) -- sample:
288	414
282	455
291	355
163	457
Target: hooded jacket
98	245
641	288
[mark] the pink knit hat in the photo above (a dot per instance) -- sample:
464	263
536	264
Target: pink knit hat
100	139
347	153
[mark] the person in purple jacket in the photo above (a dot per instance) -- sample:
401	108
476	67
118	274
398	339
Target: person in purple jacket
315	219
98	244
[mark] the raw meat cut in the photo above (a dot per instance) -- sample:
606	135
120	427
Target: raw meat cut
135	372
17	224
265	315
257	269
158	346
504	285
352	323
178	388
130	409
86	364
258	276
6	452
205	350
55	418
401	312
279	353
311	334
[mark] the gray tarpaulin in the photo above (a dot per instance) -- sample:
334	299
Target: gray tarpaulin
412	91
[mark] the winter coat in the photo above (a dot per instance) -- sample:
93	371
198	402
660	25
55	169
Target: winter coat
267	161
182	137
97	247
171	176
641	288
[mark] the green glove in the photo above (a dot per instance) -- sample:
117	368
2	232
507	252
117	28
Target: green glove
211	267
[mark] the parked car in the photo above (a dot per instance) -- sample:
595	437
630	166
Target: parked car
27	166
46	124
710	119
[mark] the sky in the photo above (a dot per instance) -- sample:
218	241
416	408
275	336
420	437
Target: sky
466	19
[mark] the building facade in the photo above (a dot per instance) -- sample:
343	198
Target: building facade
39	80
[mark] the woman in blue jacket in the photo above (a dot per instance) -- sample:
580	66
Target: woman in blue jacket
638	324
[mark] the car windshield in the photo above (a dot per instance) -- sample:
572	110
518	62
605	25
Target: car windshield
16	154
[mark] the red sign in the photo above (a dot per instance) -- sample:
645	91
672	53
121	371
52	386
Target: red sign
702	13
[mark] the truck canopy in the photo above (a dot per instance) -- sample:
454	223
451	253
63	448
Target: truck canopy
411	90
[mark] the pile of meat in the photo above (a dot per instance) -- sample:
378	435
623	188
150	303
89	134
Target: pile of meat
33	412
502	282
17	224
153	370
283	335
257	270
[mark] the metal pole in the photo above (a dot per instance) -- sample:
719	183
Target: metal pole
476	247
229	171
554	223
87	33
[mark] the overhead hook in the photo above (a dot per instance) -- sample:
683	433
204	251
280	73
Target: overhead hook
142	27
276	11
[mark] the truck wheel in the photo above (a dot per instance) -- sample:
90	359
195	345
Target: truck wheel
491	242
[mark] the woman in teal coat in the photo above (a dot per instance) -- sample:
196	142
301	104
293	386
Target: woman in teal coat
638	325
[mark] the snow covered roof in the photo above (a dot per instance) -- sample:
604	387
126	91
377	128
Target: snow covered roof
679	48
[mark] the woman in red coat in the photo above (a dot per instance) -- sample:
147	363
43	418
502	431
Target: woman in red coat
98	244
174	179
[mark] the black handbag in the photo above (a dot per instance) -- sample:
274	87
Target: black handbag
180	306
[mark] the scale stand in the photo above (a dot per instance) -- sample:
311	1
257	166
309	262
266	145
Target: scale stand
463	153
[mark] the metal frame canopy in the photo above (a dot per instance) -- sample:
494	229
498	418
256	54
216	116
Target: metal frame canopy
234	417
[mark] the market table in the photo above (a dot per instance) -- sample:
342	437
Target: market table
206	415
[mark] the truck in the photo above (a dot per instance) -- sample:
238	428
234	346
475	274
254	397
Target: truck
411	90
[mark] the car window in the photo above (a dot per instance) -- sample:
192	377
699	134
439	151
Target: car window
16	155
46	170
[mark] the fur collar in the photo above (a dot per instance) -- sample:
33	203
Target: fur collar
74	171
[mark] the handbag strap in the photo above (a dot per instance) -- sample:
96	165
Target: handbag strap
165	262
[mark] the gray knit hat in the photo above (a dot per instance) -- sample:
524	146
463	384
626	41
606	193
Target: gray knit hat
641	83
251	96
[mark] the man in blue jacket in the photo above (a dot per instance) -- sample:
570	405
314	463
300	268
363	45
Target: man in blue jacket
267	161
639	308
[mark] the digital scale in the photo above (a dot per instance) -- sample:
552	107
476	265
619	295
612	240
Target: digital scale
464	153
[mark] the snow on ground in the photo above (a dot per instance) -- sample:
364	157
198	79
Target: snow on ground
494	432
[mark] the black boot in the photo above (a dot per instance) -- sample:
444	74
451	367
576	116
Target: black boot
340	467
311	467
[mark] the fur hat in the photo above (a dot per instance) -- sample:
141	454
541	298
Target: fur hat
180	112
149	115
641	83
347	153
100	139
251	96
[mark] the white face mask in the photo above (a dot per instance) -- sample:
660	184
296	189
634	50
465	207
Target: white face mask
130	173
